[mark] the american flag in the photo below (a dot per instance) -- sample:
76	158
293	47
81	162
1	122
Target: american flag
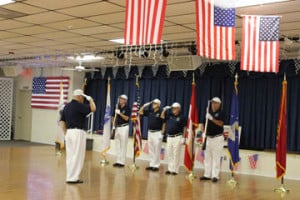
253	160
215	26
260	43
135	118
162	153
46	92
144	21
200	156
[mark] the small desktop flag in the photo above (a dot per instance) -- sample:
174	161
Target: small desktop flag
253	160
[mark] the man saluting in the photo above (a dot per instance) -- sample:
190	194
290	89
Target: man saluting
155	129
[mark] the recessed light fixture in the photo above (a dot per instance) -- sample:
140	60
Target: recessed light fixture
245	3
118	40
4	2
85	58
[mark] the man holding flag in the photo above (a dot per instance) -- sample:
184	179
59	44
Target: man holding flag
155	136
214	141
192	125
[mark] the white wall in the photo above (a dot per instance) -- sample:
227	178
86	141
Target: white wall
265	163
44	122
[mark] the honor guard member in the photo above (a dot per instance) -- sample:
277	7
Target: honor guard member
73	123
175	125
122	114
155	126
214	141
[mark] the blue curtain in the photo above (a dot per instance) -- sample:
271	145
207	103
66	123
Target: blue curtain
259	96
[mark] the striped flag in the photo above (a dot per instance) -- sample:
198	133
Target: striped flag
200	156
162	153
135	118
215	24
260	43
253	160
107	123
281	135
144	21
192	125
233	138
46	92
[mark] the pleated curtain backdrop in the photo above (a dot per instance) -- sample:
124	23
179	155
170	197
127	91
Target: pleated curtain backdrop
259	96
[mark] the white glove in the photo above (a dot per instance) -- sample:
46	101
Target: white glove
87	97
147	104
209	116
167	107
117	111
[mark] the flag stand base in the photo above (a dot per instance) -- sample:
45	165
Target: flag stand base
232	182
191	177
104	162
59	153
281	190
133	167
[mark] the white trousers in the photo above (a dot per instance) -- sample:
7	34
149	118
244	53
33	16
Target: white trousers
121	140
154	142
173	153
213	153
75	149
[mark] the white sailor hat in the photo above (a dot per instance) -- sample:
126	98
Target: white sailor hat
176	105
123	96
78	92
216	99
157	101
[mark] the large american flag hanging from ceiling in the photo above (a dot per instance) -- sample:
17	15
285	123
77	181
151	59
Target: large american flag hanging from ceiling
215	25
144	21
46	92
260	43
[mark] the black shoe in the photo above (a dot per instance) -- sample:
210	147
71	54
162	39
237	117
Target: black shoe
149	168
75	182
121	165
204	178
116	165
174	173
214	180
168	172
155	169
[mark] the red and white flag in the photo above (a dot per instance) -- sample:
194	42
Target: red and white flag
260	43
46	92
215	24
192	124
144	21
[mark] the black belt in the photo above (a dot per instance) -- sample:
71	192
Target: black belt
153	130
213	136
121	125
179	134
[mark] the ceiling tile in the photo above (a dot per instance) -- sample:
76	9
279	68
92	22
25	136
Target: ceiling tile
68	47
23	39
10	24
109	36
95	30
92	9
16	46
45	17
58	4
5	34
31	30
181	9
175	29
77	39
24	8
95	44
46	43
175	37
183	19
109	18
71	24
58	34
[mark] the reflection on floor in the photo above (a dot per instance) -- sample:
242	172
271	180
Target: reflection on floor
37	173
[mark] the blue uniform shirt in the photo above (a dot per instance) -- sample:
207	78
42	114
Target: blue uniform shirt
154	121
175	124
74	115
125	111
213	129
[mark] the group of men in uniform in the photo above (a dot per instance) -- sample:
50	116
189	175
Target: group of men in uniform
161	122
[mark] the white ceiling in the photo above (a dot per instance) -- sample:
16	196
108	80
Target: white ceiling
58	27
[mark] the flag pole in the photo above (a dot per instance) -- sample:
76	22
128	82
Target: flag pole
134	167
282	189
191	175
232	182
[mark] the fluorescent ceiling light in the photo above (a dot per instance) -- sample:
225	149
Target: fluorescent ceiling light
245	3
118	40
86	58
4	2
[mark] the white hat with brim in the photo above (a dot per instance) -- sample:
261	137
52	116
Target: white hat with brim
157	101
78	92
176	105
123	96
216	99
